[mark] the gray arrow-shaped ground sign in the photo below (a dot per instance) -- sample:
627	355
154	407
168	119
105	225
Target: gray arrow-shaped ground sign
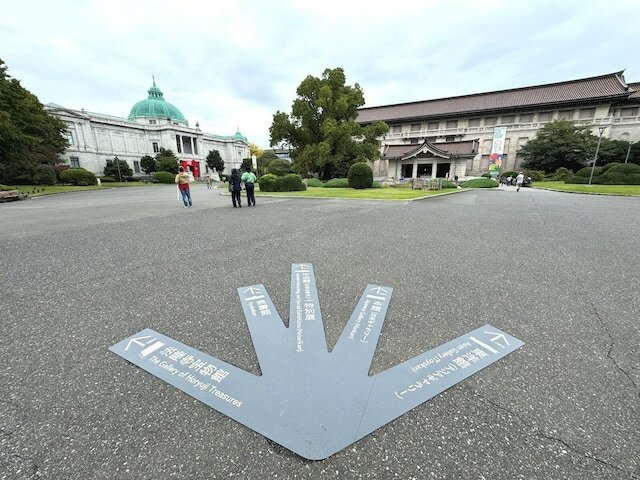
308	400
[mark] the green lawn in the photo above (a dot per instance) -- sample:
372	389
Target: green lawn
599	189
38	190
367	193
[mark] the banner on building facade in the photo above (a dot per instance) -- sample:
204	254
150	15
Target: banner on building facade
497	150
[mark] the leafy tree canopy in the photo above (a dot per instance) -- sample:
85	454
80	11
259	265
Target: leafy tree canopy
321	127
119	169
559	144
214	160
166	161
148	164
255	150
29	136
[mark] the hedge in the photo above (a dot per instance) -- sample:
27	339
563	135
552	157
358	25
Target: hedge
163	177
479	183
586	172
267	183
284	183
314	182
107	179
360	176
77	175
337	183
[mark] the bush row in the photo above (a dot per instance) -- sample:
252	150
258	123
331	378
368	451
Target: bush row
479	183
610	174
281	183
78	176
163	177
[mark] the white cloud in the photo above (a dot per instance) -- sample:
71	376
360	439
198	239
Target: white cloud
233	64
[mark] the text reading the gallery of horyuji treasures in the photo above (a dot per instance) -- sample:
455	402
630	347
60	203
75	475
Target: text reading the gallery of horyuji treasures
201	374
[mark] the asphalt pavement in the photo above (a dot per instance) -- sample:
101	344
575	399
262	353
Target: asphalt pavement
83	271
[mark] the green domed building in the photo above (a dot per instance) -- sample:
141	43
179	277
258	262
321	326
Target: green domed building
155	106
152	124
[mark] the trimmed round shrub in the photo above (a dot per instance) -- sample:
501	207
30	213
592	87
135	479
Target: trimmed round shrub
279	167
562	174
479	183
360	175
267	183
448	184
107	179
76	175
609	165
619	174
289	183
82	183
337	183
625	168
314	182
163	177
586	172
615	178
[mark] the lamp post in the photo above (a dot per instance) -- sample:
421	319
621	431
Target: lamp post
595	157
626	160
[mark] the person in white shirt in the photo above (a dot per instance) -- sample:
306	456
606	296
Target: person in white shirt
519	180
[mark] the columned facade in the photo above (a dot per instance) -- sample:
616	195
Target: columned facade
152	124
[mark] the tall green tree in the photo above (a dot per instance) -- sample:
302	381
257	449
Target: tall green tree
29	136
166	161
148	164
214	160
118	169
321	127
559	144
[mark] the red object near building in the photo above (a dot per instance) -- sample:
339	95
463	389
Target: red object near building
191	165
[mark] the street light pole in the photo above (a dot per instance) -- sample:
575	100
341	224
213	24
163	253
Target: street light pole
595	157
626	160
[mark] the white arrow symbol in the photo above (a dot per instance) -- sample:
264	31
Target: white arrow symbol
142	344
379	290
252	290
301	265
497	338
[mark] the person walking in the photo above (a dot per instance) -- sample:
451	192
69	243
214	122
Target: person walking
234	188
519	180
208	181
183	179
249	179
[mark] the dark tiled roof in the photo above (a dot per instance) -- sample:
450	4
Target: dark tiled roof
635	96
582	90
468	147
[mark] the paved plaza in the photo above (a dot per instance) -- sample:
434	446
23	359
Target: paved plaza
83	271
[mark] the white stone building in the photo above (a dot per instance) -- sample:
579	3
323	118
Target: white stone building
153	123
454	136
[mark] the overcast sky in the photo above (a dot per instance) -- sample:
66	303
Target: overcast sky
235	63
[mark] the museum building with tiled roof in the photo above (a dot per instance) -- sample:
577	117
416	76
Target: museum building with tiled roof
453	136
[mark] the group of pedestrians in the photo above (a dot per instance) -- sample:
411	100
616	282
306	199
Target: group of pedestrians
235	187
184	178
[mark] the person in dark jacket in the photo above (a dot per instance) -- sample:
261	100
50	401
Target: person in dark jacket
234	188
